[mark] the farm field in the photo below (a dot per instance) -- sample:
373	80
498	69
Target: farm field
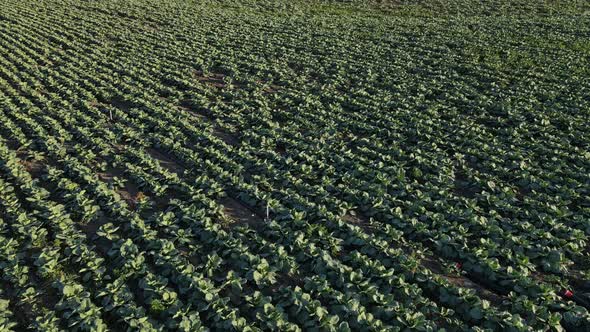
301	165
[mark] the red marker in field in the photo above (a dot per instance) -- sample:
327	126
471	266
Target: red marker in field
459	266
568	293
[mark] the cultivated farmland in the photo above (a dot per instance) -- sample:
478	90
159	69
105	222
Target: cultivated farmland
294	165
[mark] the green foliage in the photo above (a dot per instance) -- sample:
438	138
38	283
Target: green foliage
294	165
